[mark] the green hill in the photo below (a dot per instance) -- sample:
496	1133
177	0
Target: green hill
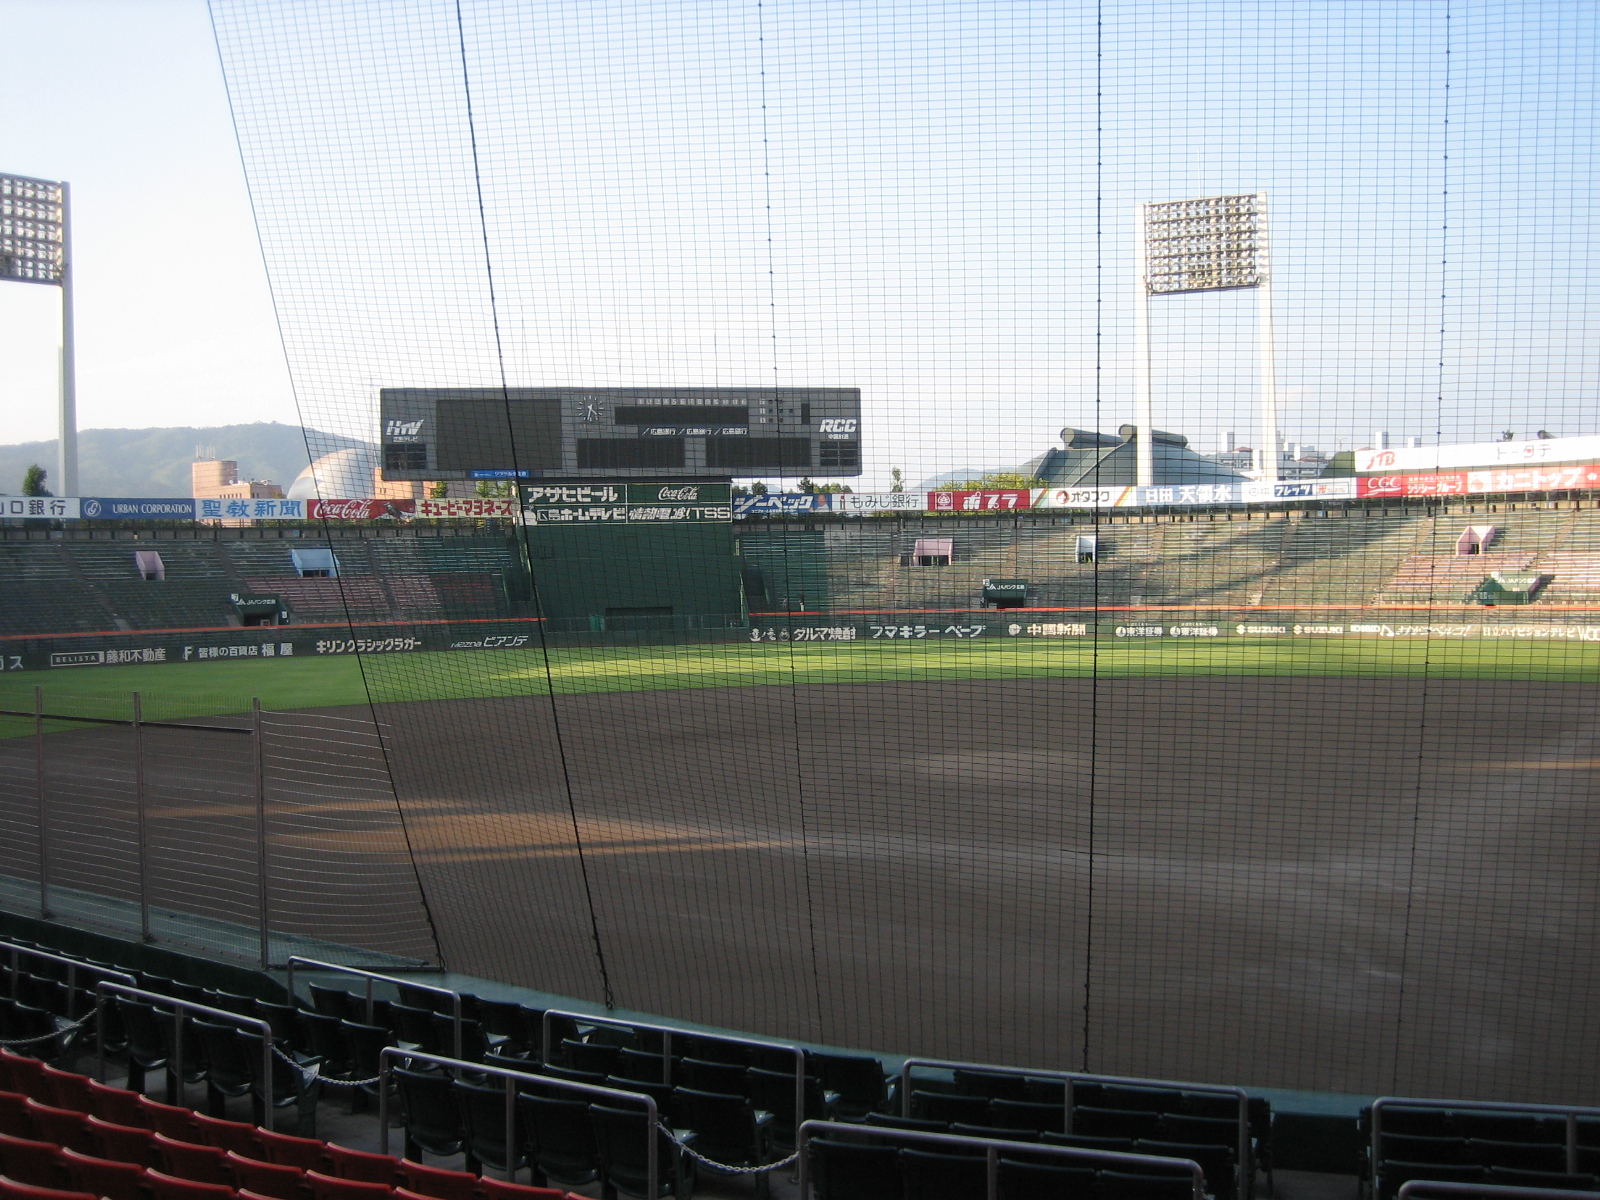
155	462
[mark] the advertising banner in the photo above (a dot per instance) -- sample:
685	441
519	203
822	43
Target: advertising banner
64	507
1189	493
774	504
1548	479
872	502
987	500
359	510
1085	497
476	507
1298	489
680	502
102	508
569	504
1430	459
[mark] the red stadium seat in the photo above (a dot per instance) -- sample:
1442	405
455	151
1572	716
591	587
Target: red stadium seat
61	1126
69	1089
330	1187
238	1136
28	1161
287	1150
124	1143
499	1189
364	1166
186	1160
264	1178
168	1187
26	1075
117	1105
438	1182
15	1189
14	1117
170	1120
103	1177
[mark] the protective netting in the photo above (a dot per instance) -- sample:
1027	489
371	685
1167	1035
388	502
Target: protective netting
1268	787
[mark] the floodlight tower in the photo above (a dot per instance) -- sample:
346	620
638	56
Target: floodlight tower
1213	244
36	247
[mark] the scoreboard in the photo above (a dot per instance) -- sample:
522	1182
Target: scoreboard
619	433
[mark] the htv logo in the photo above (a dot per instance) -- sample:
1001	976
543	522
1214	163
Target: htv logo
402	429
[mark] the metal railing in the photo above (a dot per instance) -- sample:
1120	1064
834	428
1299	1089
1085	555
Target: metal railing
372	977
175	1063
72	964
1242	1166
388	1054
1570	1111
1416	1189
667	1033
992	1150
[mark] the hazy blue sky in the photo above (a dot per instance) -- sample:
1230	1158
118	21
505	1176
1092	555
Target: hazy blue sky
929	200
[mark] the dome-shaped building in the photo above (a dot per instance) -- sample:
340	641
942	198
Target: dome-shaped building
346	474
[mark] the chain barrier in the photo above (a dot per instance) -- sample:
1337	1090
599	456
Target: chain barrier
307	1073
724	1167
66	1030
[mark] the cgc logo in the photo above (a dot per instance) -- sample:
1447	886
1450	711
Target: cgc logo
402	431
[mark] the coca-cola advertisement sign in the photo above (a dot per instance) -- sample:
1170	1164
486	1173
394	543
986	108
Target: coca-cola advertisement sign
360	510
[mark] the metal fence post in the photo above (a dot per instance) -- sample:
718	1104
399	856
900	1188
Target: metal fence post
44	838
261	828
139	813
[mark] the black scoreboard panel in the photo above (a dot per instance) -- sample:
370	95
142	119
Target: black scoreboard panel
547	433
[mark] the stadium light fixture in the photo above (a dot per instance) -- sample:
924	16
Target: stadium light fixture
36	247
1211	244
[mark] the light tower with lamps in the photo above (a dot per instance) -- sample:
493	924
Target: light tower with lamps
1213	244
36	247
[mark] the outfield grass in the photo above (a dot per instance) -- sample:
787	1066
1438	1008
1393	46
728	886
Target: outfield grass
176	690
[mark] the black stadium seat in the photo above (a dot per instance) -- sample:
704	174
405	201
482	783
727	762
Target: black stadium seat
1044	1181
925	1175
947	1106
853	1171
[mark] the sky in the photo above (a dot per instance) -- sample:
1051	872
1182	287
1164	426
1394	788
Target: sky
928	199
124	100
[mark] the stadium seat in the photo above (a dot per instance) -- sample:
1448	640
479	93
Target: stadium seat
364	1166
169	1187
1519	1156
561	1140
289	1085
1027	1114
367	1043
1125	1098
264	1178
104	1177
432	1119
925	1175
1506	1177
852	1171
186	1160
593	1058
61	1126
1501	1127
619	1136
169	1119
483	1121
726	1079
504	1026
16	1189
1201	1131
66	1089
228	1135
1218	1162
1123	1185
286	1150
992	1084
1082	1141
947	1106
125	1143
916	1124
572	1076
336	1002
993	1133
413	1026
499	1189
727	1129
1395	1172
858	1080
1044	1181
664	1094
1417	1149
773	1092
14	1117
285	1021
325	1038
1117	1123
331	1187
228	1076
29	1161
438	1182
646	1065
117	1105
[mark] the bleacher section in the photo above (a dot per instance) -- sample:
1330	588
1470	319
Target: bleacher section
41	592
1447	578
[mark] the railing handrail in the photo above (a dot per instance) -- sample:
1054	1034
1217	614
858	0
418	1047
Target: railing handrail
385	1069
1570	1111
1070	1078
72	965
175	1066
668	1032
992	1148
373	977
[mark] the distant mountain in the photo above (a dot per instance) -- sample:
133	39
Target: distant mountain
155	462
961	476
